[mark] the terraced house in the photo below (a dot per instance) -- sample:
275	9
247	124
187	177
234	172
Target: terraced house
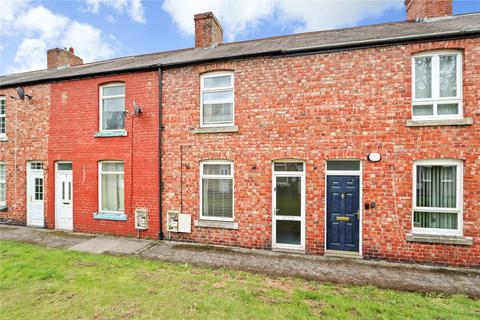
361	142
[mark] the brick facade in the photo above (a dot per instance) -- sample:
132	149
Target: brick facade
315	108
74	122
27	140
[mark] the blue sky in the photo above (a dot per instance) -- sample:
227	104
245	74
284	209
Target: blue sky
103	29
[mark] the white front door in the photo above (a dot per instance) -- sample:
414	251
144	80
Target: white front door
64	196
288	218
35	194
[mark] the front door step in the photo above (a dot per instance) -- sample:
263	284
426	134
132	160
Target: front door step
343	254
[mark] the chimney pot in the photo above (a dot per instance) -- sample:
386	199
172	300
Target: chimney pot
208	31
58	58
419	9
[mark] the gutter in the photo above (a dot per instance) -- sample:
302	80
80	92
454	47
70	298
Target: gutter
280	52
160	129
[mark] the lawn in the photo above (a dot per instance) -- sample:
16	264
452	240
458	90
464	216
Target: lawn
41	283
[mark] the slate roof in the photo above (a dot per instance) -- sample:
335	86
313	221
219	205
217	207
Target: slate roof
372	35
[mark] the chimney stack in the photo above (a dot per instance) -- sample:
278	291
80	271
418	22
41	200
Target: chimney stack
419	9
58	58
208	31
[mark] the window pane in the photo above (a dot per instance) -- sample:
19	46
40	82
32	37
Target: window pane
2	106
218	97
38	188
425	110
112	192
113	113
347	165
64	166
423	77
112	167
288	166
217	82
114	91
2	125
288	196
448	76
2	172
437	186
450	108
217	169
217	198
215	113
438	220
288	232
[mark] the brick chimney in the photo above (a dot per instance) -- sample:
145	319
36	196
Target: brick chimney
58	58
208	31
417	9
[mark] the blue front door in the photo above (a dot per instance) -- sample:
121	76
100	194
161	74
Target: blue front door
343	212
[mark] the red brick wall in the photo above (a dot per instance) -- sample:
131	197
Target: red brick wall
27	140
74	122
316	108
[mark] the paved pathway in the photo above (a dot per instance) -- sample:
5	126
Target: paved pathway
348	271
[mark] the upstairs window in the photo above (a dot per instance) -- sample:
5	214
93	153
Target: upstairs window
112	107
3	183
217	99
437	85
437	201
3	117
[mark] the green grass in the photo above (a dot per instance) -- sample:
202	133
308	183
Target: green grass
41	283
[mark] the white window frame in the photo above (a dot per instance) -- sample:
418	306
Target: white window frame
223	177
4	203
459	194
100	103
100	173
435	100
220	89
4	116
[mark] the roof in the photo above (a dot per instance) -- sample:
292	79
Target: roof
371	35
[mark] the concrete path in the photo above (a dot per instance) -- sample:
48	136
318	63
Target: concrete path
389	275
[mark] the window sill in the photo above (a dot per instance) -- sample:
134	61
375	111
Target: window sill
107	134
440	122
430	238
216	224
3	208
3	139
110	216
229	129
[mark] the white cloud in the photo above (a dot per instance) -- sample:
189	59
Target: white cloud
42	29
237	17
133	8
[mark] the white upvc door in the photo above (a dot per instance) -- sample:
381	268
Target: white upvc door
288	217
63	198
35	194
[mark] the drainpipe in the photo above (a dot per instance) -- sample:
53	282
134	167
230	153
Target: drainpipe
160	129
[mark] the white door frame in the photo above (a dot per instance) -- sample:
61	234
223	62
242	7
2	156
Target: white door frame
57	193
359	174
31	172
302	176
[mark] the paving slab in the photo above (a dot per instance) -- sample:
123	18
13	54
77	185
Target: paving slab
44	237
115	245
399	276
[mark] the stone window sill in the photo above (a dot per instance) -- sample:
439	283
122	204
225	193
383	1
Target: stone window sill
110	216
440	122
230	129
3	139
216	224
3	208
430	238
108	134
